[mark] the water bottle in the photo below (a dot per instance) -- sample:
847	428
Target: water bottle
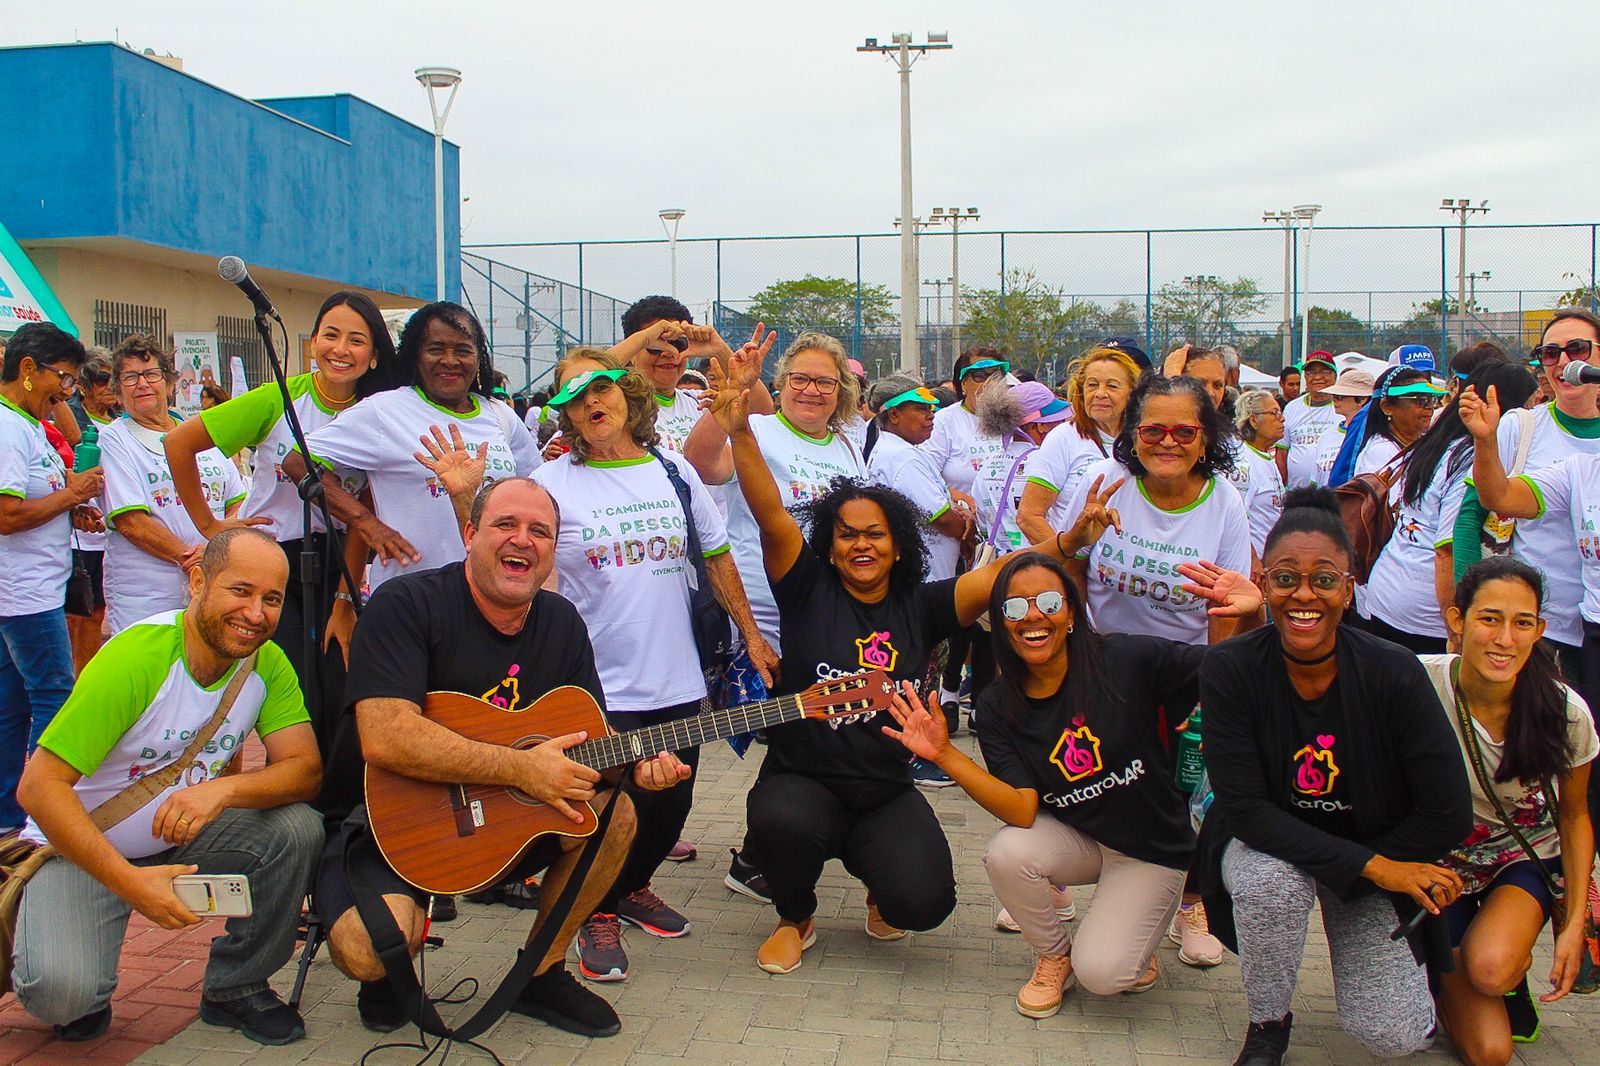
86	456
1191	764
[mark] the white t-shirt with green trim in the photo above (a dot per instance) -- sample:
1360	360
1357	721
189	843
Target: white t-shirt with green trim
623	560
1304	433
675	418
957	448
990	484
908	470
803	467
256	420
1377	453
1327	453
1572	488
1134	584
378	436
135	708
1059	465
1255	475
37	561
1400	589
138	584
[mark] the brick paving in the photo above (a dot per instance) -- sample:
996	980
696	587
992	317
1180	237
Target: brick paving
944	996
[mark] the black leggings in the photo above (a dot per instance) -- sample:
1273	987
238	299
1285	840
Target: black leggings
892	842
660	815
971	639
1588	686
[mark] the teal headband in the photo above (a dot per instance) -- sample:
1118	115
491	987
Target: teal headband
985	364
920	394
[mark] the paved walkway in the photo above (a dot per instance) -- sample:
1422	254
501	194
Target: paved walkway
943	996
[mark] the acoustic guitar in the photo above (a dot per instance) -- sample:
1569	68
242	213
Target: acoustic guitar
448	839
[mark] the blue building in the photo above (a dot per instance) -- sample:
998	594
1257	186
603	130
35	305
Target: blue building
128	179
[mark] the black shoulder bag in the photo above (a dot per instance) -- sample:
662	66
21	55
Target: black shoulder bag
707	620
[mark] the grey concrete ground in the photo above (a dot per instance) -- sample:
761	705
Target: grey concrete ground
943	996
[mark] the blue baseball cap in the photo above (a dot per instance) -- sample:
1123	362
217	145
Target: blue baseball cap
1414	356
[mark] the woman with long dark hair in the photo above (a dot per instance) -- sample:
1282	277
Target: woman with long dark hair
1074	728
1337	781
1412	583
1399	413
1525	732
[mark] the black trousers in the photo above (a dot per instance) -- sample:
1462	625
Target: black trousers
890	840
1588	686
1414	641
660	815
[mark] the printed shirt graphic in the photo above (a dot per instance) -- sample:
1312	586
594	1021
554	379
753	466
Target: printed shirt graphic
908	470
1107	771
1059	466
1400	589
1490	845
675	417
135	708
957	448
377	437
1319	781
138	479
803	468
38	561
623	561
1261	487
990	483
1134	584
1303	429
257	420
1571	488
1327	449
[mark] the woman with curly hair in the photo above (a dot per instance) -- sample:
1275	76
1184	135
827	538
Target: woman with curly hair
622	557
852	595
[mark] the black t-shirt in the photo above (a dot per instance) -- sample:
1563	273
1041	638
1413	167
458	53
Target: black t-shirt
1320	796
1106	770
828	633
423	633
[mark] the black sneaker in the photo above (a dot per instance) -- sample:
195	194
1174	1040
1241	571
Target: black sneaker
261	1016
1523	1013
746	880
556	998
379	1007
90	1027
516	893
1265	1043
952	717
444	908
925	774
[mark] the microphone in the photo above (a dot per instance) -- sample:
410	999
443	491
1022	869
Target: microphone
1576	373
232	270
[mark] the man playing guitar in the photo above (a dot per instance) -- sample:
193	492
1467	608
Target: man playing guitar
483	628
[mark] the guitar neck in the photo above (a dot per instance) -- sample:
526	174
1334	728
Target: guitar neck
621	749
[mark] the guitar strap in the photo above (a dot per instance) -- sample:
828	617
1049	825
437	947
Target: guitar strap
390	944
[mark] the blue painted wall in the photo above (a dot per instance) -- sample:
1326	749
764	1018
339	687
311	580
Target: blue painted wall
122	146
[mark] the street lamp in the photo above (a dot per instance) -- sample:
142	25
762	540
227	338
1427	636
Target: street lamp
1308	213
955	217
1462	207
434	79
1286	219
901	51
670	217
1472	286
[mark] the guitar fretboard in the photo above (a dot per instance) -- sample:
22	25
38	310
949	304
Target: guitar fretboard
623	748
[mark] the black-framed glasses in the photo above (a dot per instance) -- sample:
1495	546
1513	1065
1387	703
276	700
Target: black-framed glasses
1576	348
150	375
1150	433
1288	579
69	382
801	382
1015	608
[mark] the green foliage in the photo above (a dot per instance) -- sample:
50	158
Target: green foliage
1207	313
1336	331
827	304
1038	325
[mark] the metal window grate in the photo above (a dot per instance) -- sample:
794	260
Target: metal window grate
114	321
237	336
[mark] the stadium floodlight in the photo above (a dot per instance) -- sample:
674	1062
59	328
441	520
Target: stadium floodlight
1308	214
435	80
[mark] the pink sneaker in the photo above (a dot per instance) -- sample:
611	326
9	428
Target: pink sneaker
1192	933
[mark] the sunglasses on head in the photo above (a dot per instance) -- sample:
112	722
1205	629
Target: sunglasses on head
1550	354
1150	433
1015	608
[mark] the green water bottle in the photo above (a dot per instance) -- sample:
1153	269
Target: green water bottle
1191	764
86	456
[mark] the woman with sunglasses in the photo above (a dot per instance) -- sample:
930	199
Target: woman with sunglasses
1173	505
1098	388
958	446
1412	584
1073	728
1401	411
1526	731
1337	781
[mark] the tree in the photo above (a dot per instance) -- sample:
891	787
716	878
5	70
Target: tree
1580	295
1333	330
827	304
1027	319
1207	311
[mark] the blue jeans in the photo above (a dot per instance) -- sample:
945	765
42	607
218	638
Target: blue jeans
35	678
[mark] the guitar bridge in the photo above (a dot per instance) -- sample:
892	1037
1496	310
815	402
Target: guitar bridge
468	813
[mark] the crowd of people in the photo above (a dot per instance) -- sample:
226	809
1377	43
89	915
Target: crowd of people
1094	578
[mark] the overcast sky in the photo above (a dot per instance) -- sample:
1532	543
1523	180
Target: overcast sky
581	120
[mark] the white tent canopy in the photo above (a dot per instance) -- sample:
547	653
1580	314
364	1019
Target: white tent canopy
1250	377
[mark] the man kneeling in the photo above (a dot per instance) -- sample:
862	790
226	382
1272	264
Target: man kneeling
133	712
485	628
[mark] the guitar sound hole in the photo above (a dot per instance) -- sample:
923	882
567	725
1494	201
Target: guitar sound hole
517	794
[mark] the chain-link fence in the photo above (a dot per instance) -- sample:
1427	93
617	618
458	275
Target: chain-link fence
1045	296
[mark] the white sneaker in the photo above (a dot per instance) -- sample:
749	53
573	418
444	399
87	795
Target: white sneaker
1192	933
1066	910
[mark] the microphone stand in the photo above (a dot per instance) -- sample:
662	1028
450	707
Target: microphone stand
311	493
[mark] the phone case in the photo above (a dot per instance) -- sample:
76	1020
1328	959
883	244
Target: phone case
214	895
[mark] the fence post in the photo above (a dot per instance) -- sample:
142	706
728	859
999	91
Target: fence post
1149	325
1444	297
1002	262
583	300
716	313
527	330
855	338
1594	302
490	329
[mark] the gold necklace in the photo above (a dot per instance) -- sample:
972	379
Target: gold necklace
323	397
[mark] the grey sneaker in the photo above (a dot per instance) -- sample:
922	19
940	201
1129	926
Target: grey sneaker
651	913
601	956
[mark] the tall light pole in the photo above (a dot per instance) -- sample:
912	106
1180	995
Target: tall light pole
670	217
955	217
1286	219
904	54
1472	285
435	79
1462	207
1308	214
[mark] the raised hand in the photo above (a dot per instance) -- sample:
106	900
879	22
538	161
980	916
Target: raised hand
459	469
924	735
1231	594
1097	515
1176	362
730	404
1481	415
745	364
